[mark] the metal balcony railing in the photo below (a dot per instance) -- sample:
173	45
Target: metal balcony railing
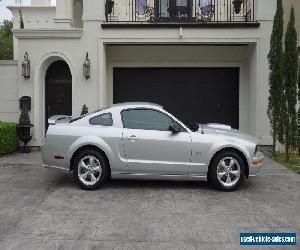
179	11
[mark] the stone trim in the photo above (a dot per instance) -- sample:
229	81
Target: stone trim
47	33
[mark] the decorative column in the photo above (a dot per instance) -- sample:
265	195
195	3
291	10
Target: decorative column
64	14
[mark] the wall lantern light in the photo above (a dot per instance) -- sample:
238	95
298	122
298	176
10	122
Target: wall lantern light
87	67
26	67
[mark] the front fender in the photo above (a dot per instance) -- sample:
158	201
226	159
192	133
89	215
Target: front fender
218	146
93	141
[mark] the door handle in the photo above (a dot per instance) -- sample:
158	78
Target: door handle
132	138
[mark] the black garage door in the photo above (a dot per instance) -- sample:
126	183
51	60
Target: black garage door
201	95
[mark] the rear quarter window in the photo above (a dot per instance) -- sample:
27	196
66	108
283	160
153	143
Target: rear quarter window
102	120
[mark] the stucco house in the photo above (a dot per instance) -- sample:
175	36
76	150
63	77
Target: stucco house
204	60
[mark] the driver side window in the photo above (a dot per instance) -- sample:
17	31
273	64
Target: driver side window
146	119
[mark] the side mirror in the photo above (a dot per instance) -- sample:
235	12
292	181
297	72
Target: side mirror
174	128
194	126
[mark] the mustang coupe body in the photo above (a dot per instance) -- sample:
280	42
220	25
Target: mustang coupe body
142	140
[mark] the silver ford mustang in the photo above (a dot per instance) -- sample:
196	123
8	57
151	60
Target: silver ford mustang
142	140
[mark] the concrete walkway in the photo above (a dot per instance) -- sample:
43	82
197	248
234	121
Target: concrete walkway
44	209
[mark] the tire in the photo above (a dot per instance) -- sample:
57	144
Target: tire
224	163
90	169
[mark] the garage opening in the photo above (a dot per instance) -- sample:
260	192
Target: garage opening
204	95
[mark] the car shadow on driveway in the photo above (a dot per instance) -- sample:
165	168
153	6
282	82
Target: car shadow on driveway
158	184
67	180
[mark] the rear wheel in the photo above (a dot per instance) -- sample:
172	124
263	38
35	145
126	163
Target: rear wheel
227	171
90	169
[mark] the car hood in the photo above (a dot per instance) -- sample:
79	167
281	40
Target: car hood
215	128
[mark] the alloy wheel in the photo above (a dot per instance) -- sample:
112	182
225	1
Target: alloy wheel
228	171
89	170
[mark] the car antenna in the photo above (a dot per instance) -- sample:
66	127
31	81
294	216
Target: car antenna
202	131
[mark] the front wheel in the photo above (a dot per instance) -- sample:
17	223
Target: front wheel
227	171
90	169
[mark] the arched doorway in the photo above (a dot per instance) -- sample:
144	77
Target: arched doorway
58	90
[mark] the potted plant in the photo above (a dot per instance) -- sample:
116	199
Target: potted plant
237	4
84	110
24	129
109	6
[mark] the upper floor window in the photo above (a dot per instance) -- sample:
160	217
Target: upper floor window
140	6
203	3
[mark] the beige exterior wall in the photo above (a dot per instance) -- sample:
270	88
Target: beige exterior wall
9	107
40	2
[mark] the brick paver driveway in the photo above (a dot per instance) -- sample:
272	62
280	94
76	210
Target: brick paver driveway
43	209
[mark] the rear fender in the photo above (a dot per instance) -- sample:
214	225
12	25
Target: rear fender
93	141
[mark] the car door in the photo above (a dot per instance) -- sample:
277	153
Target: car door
150	146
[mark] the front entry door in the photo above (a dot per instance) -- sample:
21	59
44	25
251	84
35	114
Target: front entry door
150	147
58	90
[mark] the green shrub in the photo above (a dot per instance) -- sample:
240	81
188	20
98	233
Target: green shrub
8	137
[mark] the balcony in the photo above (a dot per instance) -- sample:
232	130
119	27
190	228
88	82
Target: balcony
188	12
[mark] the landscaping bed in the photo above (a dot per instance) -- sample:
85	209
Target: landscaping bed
293	164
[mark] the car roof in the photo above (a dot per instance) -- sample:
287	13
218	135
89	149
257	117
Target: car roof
137	104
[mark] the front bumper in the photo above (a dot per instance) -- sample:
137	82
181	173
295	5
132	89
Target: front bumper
256	164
